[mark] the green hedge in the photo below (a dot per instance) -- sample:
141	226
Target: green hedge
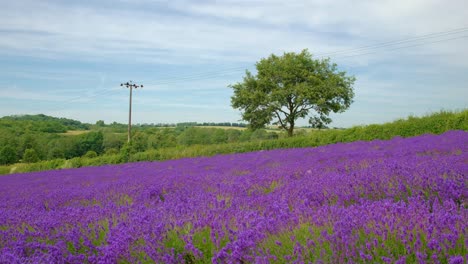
435	123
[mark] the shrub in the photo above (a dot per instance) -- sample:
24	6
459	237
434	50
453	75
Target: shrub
30	156
112	151
90	154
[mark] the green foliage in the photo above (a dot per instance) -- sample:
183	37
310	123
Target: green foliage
28	141
288	87
232	135
43	123
246	141
75	162
281	244
113	140
261	134
201	240
92	141
139	142
56	151
5	170
112	151
126	151
206	136
8	155
162	138
193	135
39	166
219	136
30	156
90	154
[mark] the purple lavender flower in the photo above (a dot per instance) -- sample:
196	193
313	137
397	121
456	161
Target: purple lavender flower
391	201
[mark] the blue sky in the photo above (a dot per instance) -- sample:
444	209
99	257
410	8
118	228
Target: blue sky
67	58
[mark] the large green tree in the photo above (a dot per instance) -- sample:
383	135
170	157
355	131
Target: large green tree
290	87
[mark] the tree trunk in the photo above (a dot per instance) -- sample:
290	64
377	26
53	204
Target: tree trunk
291	130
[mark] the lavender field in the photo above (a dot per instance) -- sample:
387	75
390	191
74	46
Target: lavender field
397	201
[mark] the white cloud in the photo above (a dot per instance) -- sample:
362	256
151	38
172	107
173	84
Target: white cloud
221	30
13	92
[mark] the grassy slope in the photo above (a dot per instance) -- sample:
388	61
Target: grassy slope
435	123
74	132
222	127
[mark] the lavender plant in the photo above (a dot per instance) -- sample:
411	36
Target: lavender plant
396	201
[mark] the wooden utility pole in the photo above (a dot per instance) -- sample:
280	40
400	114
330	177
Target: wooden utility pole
131	86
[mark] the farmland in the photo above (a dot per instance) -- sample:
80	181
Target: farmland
394	201
157	143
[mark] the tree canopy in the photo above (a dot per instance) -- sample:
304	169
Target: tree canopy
31	138
7	155
292	86
42	123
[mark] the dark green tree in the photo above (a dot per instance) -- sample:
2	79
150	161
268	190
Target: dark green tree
139	142
56	152
90	141
70	147
28	141
190	136
292	86
30	156
162	138
7	155
126	151
114	141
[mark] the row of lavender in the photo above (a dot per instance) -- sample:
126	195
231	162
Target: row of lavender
403	201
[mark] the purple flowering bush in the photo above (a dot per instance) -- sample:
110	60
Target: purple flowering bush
396	201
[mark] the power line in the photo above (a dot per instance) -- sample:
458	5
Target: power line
423	40
206	75
404	47
342	54
395	42
90	96
60	106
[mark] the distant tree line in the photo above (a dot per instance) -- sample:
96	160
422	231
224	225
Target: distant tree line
42	123
32	138
34	146
189	124
101	123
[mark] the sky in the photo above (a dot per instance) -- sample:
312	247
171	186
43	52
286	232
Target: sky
68	58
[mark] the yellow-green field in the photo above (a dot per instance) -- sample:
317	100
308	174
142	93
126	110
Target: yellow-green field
223	127
74	132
